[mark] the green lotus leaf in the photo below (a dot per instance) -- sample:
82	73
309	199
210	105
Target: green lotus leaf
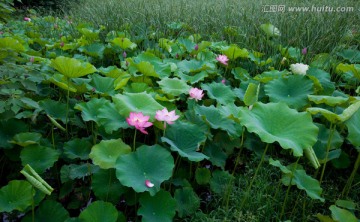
106	187
26	139
187	201
221	93
321	143
349	111
216	155
17	195
299	178
292	90
353	127
110	118
352	55
322	80
173	86
49	209
8	129
216	120
342	215
335	118
124	43
9	43
347	204
192	79
202	176
277	122
240	74
94	50
63	82
187	44
55	109
220	181
147	163
194	66
72	68
77	148
342	161
74	171
91	109
99	211
102	85
150	65
147	69
185	138
160	207
233	52
348	68
268	76
270	30
111	71
251	94
39	157
322	61
121	81
106	152
328	100
136	102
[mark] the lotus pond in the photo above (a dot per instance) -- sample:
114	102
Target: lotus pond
97	127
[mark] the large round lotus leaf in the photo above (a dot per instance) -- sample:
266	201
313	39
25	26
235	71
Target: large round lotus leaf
9	128
322	80
192	79
63	82
102	85
94	50
77	148
268	76
202	176
99	211
187	201
216	153
173	86
49	209
124	43
160	207
221	93
72	68
137	102
342	215
328	100
55	109
90	109
292	90
192	66
185	138
276	122
74	171
26	139
39	157
106	187
354	129
17	195
152	163
217	120
110	118
106	152
233	52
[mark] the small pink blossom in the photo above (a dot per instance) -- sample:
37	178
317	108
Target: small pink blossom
196	94
166	116
148	183
124	54
223	81
139	121
196	47
223	59
27	19
304	51
32	59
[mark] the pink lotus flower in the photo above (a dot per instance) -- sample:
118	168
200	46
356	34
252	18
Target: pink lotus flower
223	81
139	121
223	59
196	47
166	116
124	54
196	94
304	51
27	19
148	183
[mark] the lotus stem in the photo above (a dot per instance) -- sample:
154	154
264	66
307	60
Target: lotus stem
332	131
254	177
288	189
349	182
134	141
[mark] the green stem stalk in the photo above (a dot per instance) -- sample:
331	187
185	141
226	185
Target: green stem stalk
332	131
254	177
134	141
349	182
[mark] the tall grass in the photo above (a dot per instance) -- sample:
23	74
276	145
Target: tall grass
233	20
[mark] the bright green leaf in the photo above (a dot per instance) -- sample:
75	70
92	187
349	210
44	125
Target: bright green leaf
72	68
221	93
99	211
17	195
39	157
25	139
